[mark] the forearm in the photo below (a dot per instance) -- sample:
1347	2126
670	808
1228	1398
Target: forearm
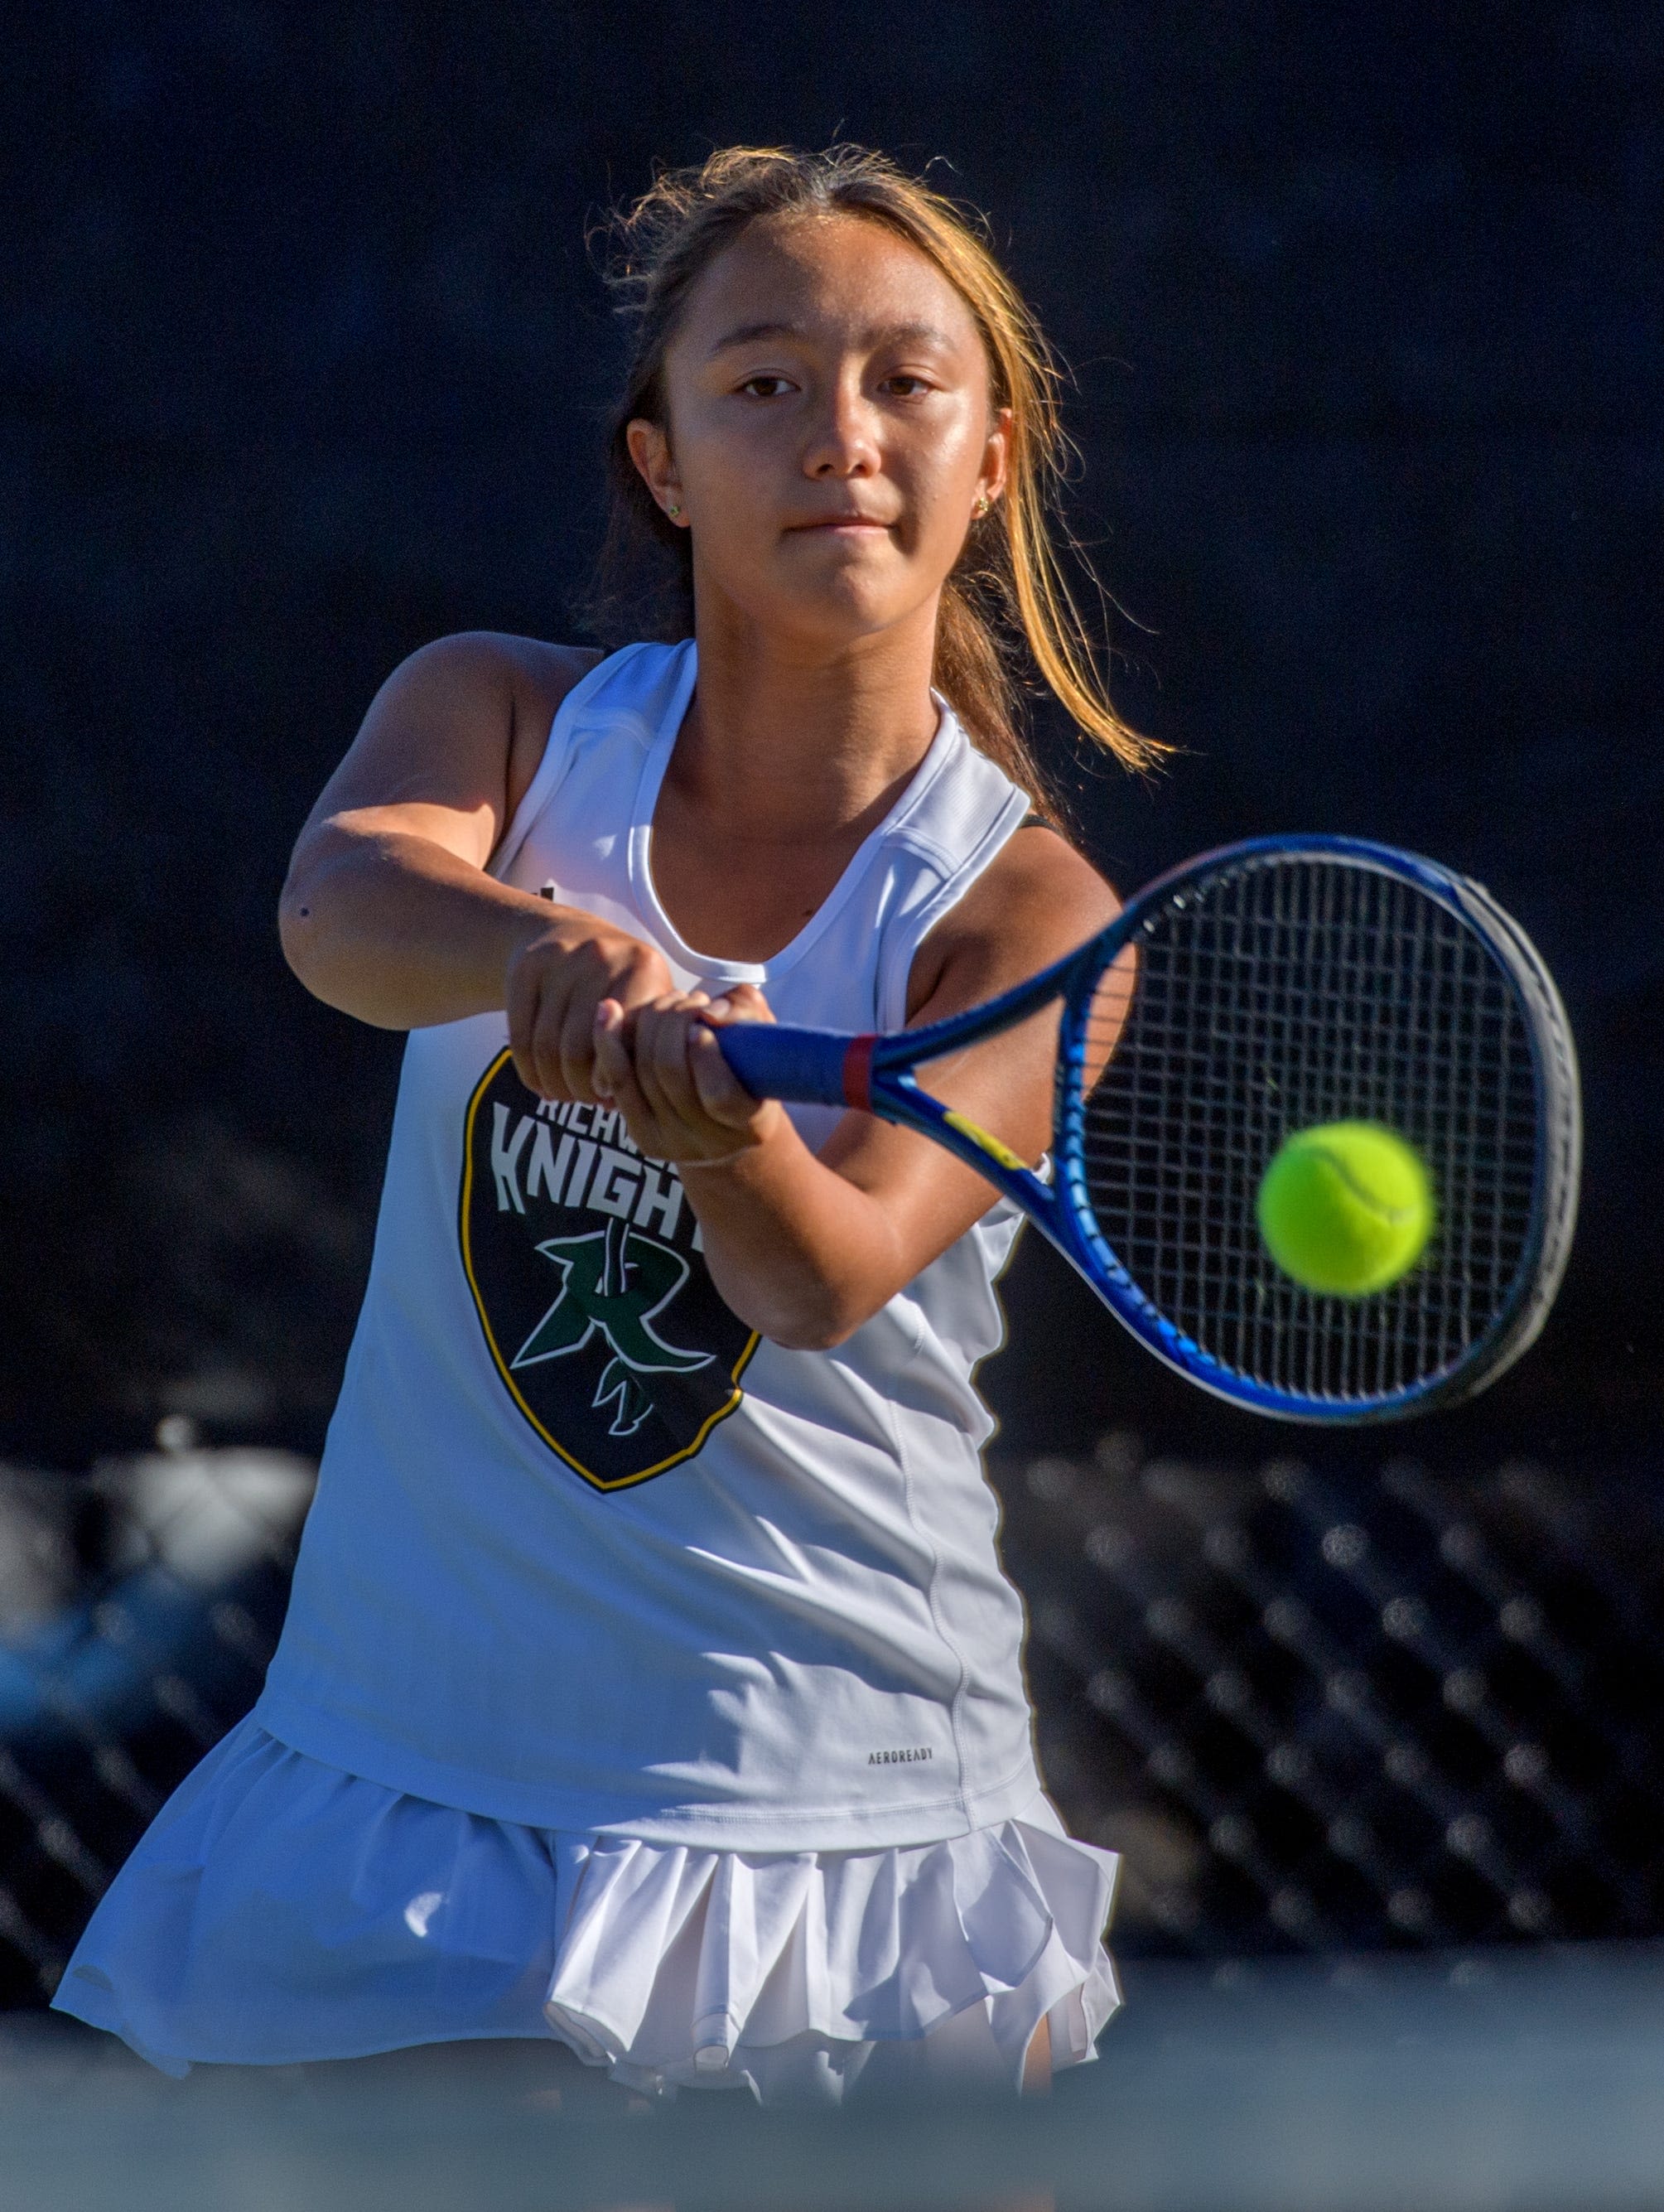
394	928
793	1248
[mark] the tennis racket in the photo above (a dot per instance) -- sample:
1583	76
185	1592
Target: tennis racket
1272	986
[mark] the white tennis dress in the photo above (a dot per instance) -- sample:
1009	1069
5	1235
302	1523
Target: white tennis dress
643	1683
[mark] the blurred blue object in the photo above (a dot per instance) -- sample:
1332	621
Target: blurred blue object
192	1527
138	1607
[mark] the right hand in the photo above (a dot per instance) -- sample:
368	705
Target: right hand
552	987
663	1068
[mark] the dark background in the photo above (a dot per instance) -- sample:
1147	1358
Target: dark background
303	359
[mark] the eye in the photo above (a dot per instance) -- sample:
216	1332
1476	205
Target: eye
754	386
917	386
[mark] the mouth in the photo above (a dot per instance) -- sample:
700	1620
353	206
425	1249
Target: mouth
841	525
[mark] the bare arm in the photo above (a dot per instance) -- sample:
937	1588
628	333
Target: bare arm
388	911
807	1247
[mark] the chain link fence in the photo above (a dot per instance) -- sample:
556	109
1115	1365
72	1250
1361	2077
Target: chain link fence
1314	1712
138	1607
1321	1713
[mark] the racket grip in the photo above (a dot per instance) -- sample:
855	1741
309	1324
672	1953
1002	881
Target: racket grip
774	1061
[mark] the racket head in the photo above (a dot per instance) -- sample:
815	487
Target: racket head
1281	985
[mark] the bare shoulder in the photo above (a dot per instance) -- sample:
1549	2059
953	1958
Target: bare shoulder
539	677
458	727
541	674
488	663
490	688
1036	900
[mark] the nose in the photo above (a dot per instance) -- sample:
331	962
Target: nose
843	441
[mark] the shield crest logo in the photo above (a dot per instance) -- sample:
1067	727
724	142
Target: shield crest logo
589	1279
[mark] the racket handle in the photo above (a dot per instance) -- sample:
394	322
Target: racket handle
774	1061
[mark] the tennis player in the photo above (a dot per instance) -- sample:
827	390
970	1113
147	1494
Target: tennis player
651	1682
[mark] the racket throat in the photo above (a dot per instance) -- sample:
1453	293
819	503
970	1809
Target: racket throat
986	1141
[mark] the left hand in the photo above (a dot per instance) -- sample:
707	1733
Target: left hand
661	1066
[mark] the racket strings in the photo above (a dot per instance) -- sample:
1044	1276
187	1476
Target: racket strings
1280	996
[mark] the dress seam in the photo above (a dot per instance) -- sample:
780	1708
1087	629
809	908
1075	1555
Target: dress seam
551	769
959	1800
955	1702
900	947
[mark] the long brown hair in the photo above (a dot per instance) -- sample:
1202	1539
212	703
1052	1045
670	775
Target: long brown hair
1008	590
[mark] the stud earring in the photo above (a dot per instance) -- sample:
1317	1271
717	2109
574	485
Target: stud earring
983	503
673	511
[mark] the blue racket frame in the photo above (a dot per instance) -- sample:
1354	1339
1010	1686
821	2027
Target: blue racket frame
875	1073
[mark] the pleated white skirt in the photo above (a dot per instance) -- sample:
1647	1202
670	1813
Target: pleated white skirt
279	1910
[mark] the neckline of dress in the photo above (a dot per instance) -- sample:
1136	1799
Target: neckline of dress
654	767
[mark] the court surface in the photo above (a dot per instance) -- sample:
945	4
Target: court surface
1530	2081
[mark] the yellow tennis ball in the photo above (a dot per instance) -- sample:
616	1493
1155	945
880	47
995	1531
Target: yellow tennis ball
1346	1208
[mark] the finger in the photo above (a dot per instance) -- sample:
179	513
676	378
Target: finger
644	977
522	1009
673	1077
544	1044
611	1057
677	1063
660	1060
545	1037
741	1002
575	1044
666	1001
722	1097
593	973
615	1078
645	1132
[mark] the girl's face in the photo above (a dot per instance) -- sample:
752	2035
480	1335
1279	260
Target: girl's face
829	433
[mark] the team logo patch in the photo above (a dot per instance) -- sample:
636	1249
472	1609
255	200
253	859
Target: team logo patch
589	1276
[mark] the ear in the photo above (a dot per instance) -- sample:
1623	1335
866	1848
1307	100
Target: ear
996	457
650	450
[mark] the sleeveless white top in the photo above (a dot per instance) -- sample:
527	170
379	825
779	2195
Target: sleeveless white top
587	1553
